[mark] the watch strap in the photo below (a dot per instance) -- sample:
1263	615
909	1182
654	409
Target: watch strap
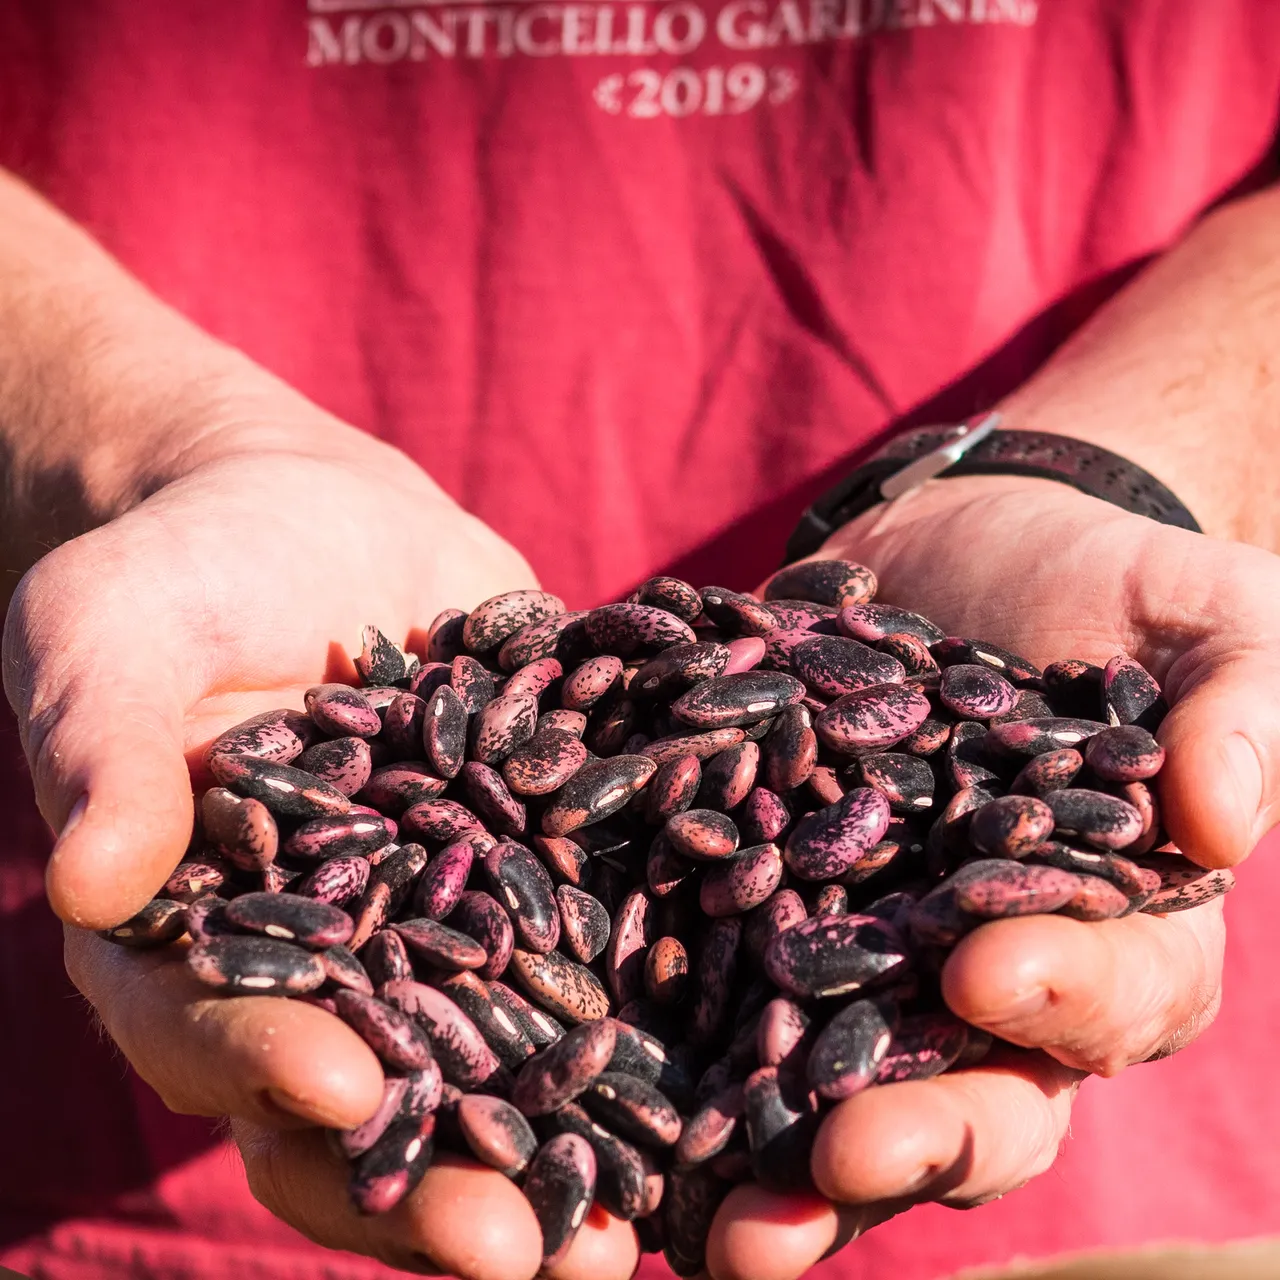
1086	467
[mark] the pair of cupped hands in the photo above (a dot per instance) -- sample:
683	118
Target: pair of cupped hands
280	530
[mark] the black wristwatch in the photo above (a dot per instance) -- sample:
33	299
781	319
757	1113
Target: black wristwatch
979	448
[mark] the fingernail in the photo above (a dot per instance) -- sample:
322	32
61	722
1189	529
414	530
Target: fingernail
1026	1005
1246	773
312	1112
74	817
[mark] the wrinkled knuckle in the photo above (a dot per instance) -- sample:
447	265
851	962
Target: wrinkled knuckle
1190	1030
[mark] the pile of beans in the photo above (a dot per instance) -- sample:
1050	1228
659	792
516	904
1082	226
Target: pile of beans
727	843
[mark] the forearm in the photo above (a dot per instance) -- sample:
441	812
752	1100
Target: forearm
1178	373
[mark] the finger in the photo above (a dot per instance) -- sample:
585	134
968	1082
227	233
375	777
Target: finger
260	1057
762	1235
1220	786
1097	996
605	1248
462	1220
101	713
960	1138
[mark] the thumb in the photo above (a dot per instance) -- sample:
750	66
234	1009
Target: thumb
1220	786
93	684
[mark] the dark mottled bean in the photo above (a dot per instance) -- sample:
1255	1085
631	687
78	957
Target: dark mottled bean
280	736
442	884
849	1050
1011	826
830	842
763	817
702	834
713	975
998	888
1049	771
672	788
381	662
737	614
833	955
242	830
688	1208
394	1165
565	1069
386	959
402	724
591	681
501	1029
628	938
702	746
344	763
574	723
904	780
1184	884
1130	695
1097	818
1133	880
562	986
924	1045
779	1134
501	725
830	900
953	650
976	691
355	1142
783	1035
194	877
1095	899
537	1024
621	629
487	794
870	622
733	701
534	678
392	1035
497	1134
871	719
340	836
389	885
912	652
344	970
838	583
439	820
495	620
396	787
337	881
1034	737
728	777
596	791
666	971
836	665
255	966
672	594
565	859
341	711
440	945
584	923
295	919
708	1131
1126	753
739	883
544	763
790	749
784	909
160	922
284	790
559	636
679	667
521	883
1143	800
632	1108
444	636
465	1058
482	917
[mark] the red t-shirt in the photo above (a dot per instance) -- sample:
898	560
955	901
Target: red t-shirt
631	279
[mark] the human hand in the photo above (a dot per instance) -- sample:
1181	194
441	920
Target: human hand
228	591
1049	573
